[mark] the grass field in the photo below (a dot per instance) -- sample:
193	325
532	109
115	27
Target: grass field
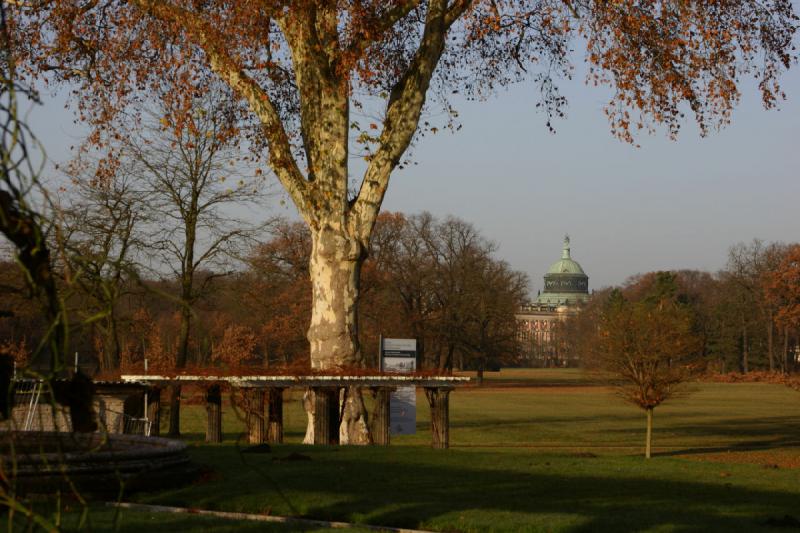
532	450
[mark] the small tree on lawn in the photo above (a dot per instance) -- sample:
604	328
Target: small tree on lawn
648	344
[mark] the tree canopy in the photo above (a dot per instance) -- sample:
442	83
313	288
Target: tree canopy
649	344
302	70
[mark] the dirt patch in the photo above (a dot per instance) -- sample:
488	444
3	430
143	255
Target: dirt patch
770	459
535	389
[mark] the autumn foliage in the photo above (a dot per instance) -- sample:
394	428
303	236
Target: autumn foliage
782	286
299	73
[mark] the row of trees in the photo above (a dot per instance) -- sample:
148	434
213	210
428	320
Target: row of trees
664	328
744	316
434	280
151	263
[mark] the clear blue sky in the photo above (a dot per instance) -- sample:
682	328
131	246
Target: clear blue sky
665	205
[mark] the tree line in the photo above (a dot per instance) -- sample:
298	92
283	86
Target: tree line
743	318
434	280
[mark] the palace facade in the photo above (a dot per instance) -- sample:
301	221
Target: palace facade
566	287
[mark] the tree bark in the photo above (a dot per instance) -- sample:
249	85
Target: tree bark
309	406
770	343
785	349
354	428
183	351
649	437
113	333
335	268
745	352
446	362
154	411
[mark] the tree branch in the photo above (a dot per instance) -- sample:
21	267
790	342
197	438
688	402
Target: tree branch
280	151
402	116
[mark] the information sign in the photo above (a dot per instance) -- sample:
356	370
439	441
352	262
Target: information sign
400	355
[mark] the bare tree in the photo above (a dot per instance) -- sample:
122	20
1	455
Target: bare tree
101	234
748	265
193	176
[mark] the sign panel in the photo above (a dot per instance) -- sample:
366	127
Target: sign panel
400	355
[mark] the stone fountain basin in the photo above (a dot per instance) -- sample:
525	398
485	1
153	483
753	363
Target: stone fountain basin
91	462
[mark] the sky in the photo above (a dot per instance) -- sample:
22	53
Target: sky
666	205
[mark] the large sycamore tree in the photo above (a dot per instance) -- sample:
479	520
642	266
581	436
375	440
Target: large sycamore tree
302	71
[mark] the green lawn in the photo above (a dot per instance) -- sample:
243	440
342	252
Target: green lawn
543	450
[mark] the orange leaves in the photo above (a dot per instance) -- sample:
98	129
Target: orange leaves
648	341
660	58
238	345
782	286
18	350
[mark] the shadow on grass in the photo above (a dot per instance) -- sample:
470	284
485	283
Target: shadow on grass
764	432
480	491
735	447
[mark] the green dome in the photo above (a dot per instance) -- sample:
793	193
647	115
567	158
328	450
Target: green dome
565	265
565	282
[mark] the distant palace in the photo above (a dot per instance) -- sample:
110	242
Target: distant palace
566	287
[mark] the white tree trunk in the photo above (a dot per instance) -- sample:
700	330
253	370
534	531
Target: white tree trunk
355	426
308	406
335	268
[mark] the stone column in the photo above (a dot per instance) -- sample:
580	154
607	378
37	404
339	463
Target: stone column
326	415
154	410
381	415
255	415
275	415
438	399
214	414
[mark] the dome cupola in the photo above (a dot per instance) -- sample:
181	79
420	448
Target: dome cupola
565	282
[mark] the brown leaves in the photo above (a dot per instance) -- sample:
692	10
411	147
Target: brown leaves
649	343
782	286
18	350
238	345
664	57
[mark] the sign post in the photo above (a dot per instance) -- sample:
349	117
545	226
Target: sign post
400	355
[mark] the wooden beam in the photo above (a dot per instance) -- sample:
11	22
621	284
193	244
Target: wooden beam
439	401
379	425
255	416
326	415
275	413
214	414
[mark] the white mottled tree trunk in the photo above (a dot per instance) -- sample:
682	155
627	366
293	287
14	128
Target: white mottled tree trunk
335	268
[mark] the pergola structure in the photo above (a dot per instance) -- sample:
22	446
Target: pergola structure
267	391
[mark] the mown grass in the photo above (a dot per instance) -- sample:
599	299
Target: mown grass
545	450
587	416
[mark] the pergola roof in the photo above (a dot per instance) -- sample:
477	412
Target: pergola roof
307	381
